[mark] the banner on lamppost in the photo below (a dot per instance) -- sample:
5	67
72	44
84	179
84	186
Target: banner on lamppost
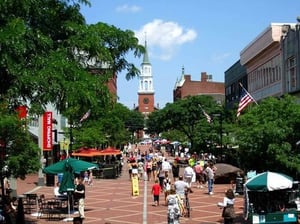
22	111
64	145
47	131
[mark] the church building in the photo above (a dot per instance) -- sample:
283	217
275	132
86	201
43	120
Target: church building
146	89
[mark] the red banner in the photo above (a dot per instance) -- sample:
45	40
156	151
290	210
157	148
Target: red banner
22	111
47	131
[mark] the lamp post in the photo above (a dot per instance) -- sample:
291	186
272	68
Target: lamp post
2	162
221	129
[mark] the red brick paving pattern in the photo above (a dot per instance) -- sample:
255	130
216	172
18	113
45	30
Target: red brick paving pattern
109	201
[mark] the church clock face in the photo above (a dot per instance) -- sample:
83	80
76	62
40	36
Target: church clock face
146	100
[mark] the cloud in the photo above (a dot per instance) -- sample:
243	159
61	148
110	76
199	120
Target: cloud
166	36
128	8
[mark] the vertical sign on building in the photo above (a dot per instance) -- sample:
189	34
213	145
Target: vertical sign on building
47	131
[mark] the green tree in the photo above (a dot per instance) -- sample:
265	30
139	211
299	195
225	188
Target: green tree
267	135
186	117
134	123
48	52
19	156
49	55
112	128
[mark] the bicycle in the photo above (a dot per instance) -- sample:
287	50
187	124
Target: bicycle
187	207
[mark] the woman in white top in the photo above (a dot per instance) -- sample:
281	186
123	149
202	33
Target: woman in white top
228	207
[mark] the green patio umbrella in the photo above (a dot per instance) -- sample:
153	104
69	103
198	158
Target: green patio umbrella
75	164
68	167
269	181
67	183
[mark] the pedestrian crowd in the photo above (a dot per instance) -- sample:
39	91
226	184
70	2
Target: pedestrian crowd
154	166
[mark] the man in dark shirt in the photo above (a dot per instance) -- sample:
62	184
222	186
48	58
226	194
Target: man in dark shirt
80	195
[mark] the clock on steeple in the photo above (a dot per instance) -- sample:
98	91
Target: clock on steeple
146	100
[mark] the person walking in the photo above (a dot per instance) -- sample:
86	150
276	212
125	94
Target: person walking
156	191
166	166
161	176
141	170
175	169
228	212
181	186
210	177
199	175
149	169
80	195
175	207
188	176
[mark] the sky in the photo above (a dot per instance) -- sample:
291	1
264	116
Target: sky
197	35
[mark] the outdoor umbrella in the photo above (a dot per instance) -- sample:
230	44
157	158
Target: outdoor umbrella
226	173
68	167
86	152
110	151
75	164
269	181
67	185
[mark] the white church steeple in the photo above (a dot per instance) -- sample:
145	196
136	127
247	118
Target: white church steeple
146	78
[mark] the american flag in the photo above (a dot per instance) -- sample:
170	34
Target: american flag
246	98
208	118
85	116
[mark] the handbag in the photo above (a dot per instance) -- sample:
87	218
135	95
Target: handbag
228	212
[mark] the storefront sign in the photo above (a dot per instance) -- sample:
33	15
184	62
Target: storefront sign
47	131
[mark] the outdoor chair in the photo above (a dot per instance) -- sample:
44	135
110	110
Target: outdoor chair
42	206
30	203
54	209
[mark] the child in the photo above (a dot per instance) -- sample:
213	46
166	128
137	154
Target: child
156	191
228	212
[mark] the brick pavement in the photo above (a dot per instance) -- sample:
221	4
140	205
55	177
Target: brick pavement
109	201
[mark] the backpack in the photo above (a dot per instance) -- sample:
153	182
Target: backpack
167	184
174	211
172	200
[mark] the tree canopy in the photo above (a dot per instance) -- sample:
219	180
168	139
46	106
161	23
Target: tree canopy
114	128
187	117
267	136
49	55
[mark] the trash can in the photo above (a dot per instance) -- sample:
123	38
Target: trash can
50	179
239	186
60	177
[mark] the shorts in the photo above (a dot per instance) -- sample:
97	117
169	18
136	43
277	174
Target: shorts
199	177
149	170
155	197
134	171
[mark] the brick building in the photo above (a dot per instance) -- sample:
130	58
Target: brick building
187	87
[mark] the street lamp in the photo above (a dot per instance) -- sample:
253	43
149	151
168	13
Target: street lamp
221	128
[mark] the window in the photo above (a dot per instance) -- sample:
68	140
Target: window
291	74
